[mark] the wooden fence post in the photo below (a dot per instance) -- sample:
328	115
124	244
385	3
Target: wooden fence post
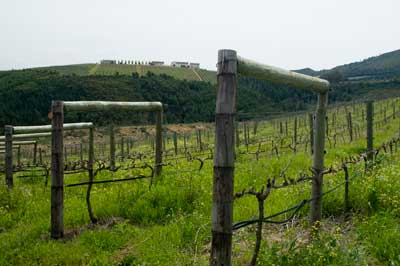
159	143
350	126
286	128
19	155
91	174
34	153
57	170
8	134
40	156
112	147
222	209
237	135
311	125
318	159
122	147
370	126
175	143
346	188
326	126
81	151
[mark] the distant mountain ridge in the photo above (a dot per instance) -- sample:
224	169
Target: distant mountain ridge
384	66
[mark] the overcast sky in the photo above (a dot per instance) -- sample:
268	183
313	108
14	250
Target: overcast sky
286	33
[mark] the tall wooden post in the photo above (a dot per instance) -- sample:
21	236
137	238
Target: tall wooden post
326	126
318	158
350	126
311	126
370	126
40	156
122	147
286	128
57	170
222	209
128	147
112	148
159	143
8	132
237	135
175	143
19	155
91	174
34	153
81	151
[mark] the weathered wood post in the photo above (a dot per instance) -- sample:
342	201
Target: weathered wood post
346	188
200	141
184	142
57	170
350	126
311	126
91	174
222	209
40	156
122	147
255	127
286	128
318	158
370	126
175	143
34	153
81	151
8	135
326	126
112	147
19	155
128	146
237	135
159	143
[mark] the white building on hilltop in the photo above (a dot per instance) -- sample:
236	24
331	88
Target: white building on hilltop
180	64
195	65
110	62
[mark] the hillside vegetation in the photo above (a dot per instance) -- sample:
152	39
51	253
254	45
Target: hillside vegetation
141	70
383	66
29	94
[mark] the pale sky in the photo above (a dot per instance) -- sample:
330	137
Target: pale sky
285	33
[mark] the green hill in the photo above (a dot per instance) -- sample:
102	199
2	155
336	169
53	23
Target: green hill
384	66
141	70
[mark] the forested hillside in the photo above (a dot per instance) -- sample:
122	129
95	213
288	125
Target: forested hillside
29	93
384	66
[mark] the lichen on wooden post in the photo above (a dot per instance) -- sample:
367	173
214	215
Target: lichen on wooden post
222	209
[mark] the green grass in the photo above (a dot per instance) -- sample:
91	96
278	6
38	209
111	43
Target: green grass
78	69
109	69
170	224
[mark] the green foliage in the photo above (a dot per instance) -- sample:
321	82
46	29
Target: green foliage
385	66
381	234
